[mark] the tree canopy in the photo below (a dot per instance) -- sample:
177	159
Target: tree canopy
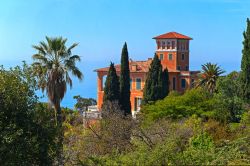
157	83
112	86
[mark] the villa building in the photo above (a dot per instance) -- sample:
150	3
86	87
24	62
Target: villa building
173	50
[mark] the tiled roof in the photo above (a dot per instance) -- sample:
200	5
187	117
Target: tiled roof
172	35
141	67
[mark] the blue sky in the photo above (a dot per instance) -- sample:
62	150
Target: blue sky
101	27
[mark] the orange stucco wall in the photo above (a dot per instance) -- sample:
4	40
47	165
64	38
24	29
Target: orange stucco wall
170	64
134	93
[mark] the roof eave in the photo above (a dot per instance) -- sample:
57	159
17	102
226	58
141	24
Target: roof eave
173	38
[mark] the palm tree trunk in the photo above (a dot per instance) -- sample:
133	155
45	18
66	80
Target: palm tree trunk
60	135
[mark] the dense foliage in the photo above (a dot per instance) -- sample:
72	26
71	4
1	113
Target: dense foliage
229	95
176	106
156	84
187	141
112	85
28	131
125	82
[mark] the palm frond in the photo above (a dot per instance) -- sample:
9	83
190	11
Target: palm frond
75	58
39	49
40	58
76	72
208	77
71	47
68	79
51	66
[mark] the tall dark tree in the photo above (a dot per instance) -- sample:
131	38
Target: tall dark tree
125	82
245	64
112	86
156	85
165	83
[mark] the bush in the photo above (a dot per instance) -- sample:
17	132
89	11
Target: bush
27	129
195	101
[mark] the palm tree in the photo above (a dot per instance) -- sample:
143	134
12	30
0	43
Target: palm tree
208	76
52	66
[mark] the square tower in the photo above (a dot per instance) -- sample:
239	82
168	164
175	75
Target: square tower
173	51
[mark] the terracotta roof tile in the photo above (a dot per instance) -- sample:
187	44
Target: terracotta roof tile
172	35
141	67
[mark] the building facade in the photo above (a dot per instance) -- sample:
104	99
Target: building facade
173	50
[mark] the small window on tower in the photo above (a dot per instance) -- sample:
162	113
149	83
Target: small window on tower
183	57
163	45
168	45
178	68
173	44
187	68
161	57
170	57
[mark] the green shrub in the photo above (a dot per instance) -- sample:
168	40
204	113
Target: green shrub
195	101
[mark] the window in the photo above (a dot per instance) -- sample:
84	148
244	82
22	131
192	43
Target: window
178	68
163	45
104	81
168	45
183	83
173	44
158	45
138	103
187	68
138	83
161	57
183	57
182	46
130	83
170	57
174	83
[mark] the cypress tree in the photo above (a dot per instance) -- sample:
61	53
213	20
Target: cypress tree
245	64
165	83
111	89
156	85
125	82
